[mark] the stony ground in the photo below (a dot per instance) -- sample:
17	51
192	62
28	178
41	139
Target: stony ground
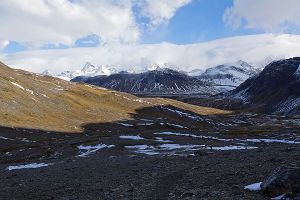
208	157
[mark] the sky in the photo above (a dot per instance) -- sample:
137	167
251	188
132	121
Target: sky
61	35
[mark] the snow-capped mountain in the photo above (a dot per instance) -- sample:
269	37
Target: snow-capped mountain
88	70
159	81
275	89
153	79
229	76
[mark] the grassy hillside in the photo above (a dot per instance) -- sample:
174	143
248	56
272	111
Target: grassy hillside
30	100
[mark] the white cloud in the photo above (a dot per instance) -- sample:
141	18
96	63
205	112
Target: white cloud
3	44
161	11
255	49
266	15
39	22
63	21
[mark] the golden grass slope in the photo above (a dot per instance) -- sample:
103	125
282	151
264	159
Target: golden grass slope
30	100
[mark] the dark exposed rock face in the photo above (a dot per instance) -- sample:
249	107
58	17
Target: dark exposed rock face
284	180
275	90
163	81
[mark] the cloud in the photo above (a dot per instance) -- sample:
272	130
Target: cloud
38	23
3	44
64	21
161	11
266	15
255	49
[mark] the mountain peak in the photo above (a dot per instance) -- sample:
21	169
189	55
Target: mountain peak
157	66
230	75
47	72
88	68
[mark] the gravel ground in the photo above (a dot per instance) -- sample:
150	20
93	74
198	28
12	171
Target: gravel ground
119	171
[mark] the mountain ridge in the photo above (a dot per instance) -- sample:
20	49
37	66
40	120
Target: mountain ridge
162	81
159	81
275	89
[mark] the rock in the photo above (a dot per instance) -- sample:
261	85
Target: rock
284	180
189	194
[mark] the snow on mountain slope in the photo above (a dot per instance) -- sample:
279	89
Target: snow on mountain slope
159	81
229	76
88	70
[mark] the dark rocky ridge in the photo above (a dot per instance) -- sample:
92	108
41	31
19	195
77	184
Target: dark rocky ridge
275	90
163	81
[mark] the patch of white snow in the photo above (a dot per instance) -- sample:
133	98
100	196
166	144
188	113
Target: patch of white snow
28	166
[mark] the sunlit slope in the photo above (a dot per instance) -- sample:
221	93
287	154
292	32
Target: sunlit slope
41	102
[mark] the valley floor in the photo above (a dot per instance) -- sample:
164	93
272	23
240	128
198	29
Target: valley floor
148	158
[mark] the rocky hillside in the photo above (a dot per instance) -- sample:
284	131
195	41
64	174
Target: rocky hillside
275	90
228	76
159	81
42	102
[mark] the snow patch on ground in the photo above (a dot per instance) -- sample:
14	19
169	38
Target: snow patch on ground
176	149
188	115
174	125
29	166
231	147
131	137
193	136
45	96
254	186
21	87
280	197
30	91
16	84
145	124
271	141
87	150
144	149
185	147
5	138
263	140
159	139
125	124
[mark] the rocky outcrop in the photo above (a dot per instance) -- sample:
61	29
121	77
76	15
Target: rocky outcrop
284	180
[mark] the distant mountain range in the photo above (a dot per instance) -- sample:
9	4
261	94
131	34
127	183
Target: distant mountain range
214	80
88	70
275	90
157	79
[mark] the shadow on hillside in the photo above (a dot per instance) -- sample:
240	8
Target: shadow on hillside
23	144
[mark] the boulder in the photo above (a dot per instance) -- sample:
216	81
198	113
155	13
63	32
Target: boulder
284	180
